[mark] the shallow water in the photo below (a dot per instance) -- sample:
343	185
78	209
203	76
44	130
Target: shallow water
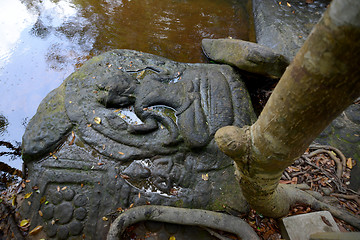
43	41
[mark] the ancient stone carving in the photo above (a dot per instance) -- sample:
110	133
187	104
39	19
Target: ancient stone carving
130	128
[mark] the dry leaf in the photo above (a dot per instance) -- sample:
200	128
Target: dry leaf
42	200
121	153
28	195
131	205
62	189
41	213
105	218
349	163
36	230
97	120
24	222
27	180
172	238
205	177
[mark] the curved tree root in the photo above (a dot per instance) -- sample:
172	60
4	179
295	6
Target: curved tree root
298	196
194	217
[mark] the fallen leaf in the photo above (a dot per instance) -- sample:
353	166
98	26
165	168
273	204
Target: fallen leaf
13	202
349	163
73	138
36	230
205	177
62	189
58	188
172	238
119	209
288	4
28	195
105	218
42	200
82	185
97	120
100	163
24	222
131	205
124	176
27	180
117	110
41	213
121	153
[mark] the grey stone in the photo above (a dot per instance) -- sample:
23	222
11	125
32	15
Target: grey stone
247	56
80	213
282	28
51	230
178	108
303	225
80	200
335	236
64	212
48	211
68	194
63	232
75	228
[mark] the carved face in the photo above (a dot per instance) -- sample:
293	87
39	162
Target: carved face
118	92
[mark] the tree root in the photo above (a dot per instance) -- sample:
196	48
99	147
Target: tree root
194	217
298	196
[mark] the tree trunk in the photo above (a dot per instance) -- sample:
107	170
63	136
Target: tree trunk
322	80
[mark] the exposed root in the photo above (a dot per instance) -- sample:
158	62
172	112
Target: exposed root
194	217
297	196
349	197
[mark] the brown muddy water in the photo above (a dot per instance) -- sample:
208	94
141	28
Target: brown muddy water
43	41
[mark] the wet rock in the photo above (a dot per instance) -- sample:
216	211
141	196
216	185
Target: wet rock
247	56
130	128
284	28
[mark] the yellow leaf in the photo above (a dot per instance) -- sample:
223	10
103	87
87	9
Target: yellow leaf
121	153
36	230
172	238
62	189
40	213
205	177
105	218
97	120
28	195
349	163
13	202
42	200
24	222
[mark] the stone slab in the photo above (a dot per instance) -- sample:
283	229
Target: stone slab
335	236
300	227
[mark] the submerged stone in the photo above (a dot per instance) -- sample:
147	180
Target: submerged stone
128	129
247	56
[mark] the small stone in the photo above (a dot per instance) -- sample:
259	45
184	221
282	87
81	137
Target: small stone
80	213
64	212
303	225
80	200
51	229
55	197
48	211
75	228
63	232
68	194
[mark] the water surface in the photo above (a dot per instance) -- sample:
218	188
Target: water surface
43	41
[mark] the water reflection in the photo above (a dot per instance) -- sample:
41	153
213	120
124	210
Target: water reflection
43	41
